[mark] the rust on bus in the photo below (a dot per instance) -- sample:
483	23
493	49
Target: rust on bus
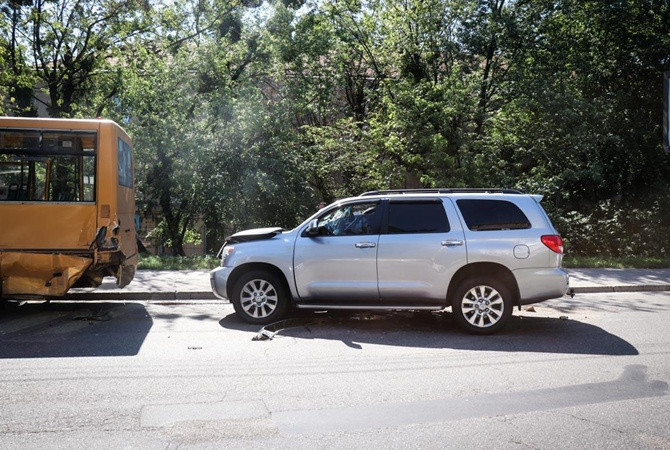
67	206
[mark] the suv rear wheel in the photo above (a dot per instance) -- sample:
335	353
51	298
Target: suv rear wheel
482	305
259	297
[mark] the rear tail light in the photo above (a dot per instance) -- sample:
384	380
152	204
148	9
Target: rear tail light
553	242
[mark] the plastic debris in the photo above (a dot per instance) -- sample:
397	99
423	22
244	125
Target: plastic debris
264	335
268	332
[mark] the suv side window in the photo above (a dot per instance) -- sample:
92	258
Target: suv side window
484	215
351	220
417	217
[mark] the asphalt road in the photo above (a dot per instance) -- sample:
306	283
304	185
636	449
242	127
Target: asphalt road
592	371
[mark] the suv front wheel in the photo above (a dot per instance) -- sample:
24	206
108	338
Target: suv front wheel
482	305
259	297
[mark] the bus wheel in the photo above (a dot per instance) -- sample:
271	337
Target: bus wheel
260	297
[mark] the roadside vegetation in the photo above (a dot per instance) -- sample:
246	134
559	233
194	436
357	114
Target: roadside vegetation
247	113
605	262
177	262
570	261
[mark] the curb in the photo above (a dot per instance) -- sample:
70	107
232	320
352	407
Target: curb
208	295
188	295
623	288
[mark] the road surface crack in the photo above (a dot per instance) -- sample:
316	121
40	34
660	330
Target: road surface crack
594	422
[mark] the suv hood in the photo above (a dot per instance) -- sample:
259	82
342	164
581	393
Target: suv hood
255	234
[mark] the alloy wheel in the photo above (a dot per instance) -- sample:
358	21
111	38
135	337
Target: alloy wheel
259	298
482	306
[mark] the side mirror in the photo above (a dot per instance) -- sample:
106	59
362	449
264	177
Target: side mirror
312	228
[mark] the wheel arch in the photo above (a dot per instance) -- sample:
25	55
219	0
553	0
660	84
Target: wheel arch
490	269
245	268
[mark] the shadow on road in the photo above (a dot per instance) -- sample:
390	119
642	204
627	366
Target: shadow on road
438	330
64	330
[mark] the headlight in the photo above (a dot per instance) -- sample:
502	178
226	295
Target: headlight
226	252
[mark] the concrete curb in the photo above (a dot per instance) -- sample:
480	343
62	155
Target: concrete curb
623	288
208	295
188	295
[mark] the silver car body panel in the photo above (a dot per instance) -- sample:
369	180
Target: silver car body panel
420	266
536	285
336	268
276	251
398	270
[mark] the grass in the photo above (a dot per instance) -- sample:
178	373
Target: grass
153	262
609	262
569	261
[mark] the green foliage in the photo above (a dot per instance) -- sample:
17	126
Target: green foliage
618	231
607	262
178	263
161	235
247	113
66	49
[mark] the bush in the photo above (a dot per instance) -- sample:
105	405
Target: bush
616	231
178	262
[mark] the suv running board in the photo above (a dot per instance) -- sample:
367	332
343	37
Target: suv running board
375	307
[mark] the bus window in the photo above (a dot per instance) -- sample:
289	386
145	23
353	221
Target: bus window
47	166
125	159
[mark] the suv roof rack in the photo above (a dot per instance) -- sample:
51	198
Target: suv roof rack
442	191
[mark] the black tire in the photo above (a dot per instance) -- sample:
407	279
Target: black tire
260	297
482	305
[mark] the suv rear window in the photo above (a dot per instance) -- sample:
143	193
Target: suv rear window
481	215
417	217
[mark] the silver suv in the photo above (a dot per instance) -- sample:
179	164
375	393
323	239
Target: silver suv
480	251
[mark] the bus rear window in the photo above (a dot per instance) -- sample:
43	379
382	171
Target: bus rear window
49	166
125	159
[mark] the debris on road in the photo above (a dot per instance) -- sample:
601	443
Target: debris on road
101	316
268	332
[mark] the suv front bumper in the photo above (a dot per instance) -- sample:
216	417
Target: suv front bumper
218	279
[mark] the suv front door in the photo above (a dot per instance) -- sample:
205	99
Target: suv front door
340	263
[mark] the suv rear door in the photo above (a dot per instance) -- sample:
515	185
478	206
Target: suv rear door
421	246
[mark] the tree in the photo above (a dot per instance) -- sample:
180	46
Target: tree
206	148
66	48
583	125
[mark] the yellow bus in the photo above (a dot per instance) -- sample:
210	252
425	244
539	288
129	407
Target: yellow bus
67	206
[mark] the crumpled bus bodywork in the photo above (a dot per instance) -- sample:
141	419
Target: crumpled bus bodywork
49	244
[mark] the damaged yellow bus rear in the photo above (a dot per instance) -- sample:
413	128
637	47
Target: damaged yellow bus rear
67	206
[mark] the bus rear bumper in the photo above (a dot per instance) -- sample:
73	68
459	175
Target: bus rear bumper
40	274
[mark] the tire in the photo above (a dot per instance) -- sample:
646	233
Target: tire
260	297
482	305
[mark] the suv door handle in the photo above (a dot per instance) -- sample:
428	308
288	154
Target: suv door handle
365	245
452	243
